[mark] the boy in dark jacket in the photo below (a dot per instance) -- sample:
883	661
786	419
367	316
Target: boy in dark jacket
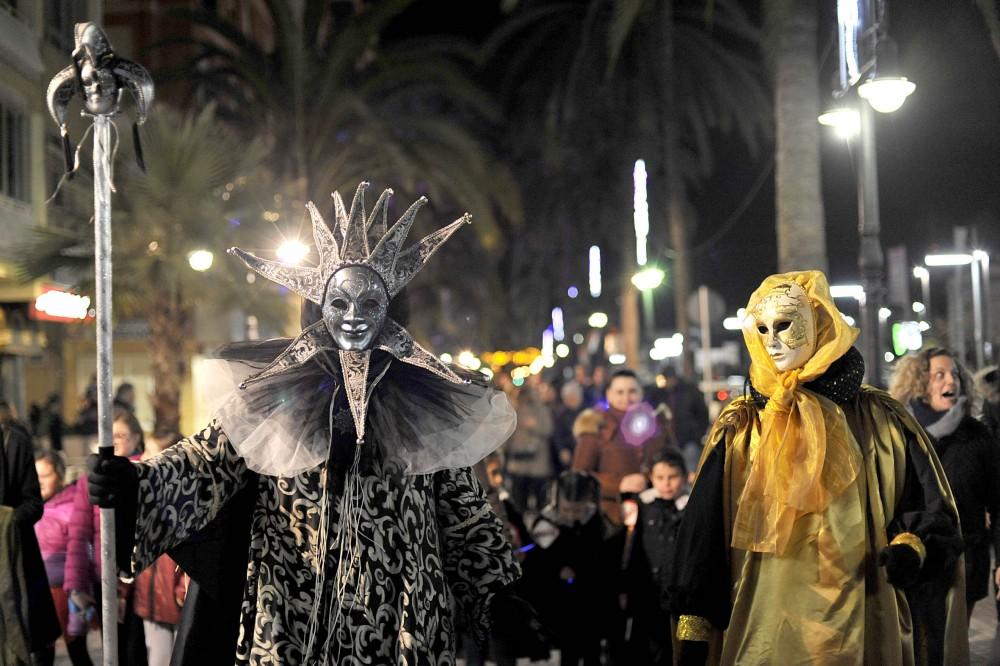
651	561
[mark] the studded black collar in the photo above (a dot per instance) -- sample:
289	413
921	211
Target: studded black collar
840	383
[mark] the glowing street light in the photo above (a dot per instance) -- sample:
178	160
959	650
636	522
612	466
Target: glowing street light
648	278
955	259
976	262
640	215
855	291
200	260
292	252
594	271
846	122
886	94
557	324
597	320
468	360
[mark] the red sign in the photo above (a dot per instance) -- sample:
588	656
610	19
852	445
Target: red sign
58	305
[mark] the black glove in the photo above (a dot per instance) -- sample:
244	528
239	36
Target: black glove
693	653
902	565
113	483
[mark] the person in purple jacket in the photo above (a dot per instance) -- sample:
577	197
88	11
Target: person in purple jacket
53	538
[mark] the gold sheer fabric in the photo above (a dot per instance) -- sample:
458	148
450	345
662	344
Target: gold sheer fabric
806	454
825	600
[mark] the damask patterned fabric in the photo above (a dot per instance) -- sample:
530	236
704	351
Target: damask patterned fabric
427	543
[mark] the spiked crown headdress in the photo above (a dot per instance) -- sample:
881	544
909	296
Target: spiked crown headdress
347	244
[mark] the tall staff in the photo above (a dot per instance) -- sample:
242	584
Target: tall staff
100	77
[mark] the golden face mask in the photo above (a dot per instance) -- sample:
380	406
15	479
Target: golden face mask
787	326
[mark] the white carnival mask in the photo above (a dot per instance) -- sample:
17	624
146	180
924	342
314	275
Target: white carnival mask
786	324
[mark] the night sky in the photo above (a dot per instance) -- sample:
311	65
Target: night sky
938	157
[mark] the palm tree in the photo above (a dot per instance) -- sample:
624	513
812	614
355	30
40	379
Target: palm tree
790	31
336	103
193	195
668	73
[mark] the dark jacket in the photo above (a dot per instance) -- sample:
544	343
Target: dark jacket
688	410
19	490
971	462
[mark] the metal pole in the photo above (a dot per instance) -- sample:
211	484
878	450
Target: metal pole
977	312
647	314
706	342
984	263
102	277
925	292
870	258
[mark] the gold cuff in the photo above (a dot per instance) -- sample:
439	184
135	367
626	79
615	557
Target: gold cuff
913	541
693	628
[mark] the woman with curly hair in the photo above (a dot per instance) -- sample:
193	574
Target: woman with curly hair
939	393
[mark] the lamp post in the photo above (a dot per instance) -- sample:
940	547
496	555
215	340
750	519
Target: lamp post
975	261
863	42
983	258
922	274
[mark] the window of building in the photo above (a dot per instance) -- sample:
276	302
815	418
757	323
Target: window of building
60	17
13	153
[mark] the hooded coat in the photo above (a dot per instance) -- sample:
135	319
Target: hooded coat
766	608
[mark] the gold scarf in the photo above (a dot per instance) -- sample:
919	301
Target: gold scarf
807	453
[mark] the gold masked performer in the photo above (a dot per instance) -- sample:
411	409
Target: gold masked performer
821	529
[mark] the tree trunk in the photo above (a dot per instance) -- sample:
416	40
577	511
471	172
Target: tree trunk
168	329
674	185
791	45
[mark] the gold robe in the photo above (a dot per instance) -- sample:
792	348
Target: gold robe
826	600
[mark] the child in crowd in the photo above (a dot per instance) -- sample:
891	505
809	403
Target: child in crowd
650	559
565	573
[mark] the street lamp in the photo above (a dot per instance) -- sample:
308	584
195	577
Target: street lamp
863	43
922	274
886	93
648	279
597	320
855	291
845	121
975	262
200	260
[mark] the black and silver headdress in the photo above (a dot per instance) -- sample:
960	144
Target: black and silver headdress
344	246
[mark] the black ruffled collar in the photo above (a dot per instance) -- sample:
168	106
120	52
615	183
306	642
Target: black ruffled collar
841	382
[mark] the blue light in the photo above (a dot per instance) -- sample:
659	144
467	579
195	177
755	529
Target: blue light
572	292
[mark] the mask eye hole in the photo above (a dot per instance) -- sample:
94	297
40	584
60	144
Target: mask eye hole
782	326
762	329
339	304
371	305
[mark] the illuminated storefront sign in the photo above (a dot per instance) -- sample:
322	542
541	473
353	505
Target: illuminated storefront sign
58	305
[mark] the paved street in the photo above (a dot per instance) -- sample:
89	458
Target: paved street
984	645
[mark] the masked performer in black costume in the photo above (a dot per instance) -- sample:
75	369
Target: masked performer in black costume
821	528
368	525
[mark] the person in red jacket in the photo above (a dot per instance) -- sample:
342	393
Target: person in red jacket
158	599
159	590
